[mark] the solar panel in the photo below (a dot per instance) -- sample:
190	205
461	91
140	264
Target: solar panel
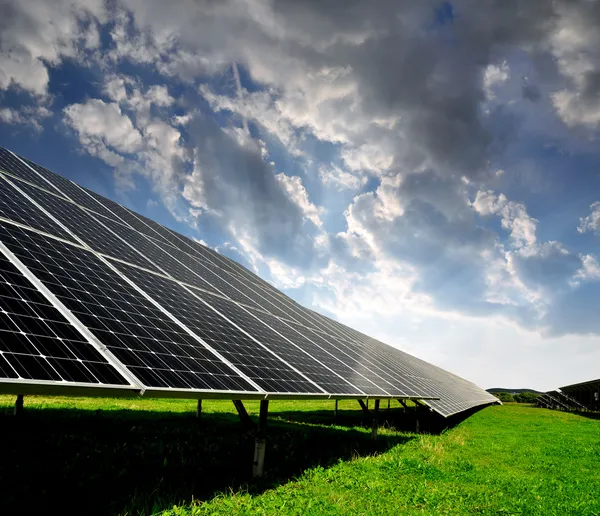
38	343
18	209
95	294
153	347
238	345
321	368
18	168
85	227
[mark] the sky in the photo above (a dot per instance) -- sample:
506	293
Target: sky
425	172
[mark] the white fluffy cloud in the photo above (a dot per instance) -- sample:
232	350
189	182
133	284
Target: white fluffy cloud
128	135
29	116
514	216
297	193
591	223
259	107
494	76
590	268
102	126
35	35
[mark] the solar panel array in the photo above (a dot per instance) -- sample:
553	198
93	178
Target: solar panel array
93	294
586	394
557	400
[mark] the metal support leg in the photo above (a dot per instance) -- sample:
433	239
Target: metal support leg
243	413
260	442
199	409
363	406
335	410
19	405
389	404
375	422
420	414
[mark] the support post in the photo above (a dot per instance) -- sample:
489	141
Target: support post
403	403
260	441
335	410
18	411
365	408
389	404
420	416
375	422
243	413
199	409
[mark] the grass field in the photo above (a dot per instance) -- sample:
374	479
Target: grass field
109	456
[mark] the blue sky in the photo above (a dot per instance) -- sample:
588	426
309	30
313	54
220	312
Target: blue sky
425	172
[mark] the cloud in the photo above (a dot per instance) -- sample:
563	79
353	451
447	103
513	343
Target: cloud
574	43
36	35
132	136
297	193
425	223
494	76
514	216
591	223
379	85
259	107
29	116
339	179
102	127
590	269
547	267
232	182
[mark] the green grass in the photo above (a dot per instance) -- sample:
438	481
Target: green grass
151	456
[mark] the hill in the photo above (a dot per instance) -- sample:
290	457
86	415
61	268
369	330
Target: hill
494	390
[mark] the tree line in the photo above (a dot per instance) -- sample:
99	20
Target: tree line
523	397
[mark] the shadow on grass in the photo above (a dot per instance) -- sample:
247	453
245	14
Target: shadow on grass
587	413
131	462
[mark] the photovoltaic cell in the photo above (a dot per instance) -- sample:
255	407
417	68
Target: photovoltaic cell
211	273
153	347
223	281
171	260
124	215
268	371
76	194
38	343
17	168
316	364
209	258
86	227
361	361
58	181
15	207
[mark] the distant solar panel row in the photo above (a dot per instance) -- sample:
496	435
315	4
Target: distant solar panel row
93	293
586	395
